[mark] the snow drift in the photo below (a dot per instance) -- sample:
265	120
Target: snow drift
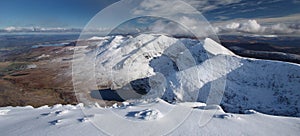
62	120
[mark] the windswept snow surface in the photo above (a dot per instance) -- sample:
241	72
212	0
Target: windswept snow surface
67	120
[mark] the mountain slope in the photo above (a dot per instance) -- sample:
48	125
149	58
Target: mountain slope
152	66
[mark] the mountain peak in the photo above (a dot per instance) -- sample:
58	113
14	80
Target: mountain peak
215	48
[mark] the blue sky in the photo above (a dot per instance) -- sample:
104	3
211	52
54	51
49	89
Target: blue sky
49	13
77	13
255	9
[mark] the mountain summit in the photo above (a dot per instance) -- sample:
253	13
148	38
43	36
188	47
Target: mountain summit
185	70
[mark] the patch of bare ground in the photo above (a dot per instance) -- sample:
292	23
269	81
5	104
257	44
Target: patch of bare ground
41	77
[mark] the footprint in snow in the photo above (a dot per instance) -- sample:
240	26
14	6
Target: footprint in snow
83	119
226	116
86	118
62	112
55	122
45	114
147	114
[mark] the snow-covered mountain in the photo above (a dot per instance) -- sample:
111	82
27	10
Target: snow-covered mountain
192	70
195	77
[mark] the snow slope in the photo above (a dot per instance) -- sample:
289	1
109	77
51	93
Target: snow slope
191	70
155	119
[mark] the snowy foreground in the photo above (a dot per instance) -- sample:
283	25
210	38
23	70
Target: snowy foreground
144	120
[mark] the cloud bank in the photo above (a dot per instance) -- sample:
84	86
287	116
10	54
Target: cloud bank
12	29
253	27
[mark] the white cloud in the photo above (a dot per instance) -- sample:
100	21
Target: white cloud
162	7
253	27
12	29
190	22
233	25
200	5
38	29
164	27
294	18
207	5
282	28
159	26
177	11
